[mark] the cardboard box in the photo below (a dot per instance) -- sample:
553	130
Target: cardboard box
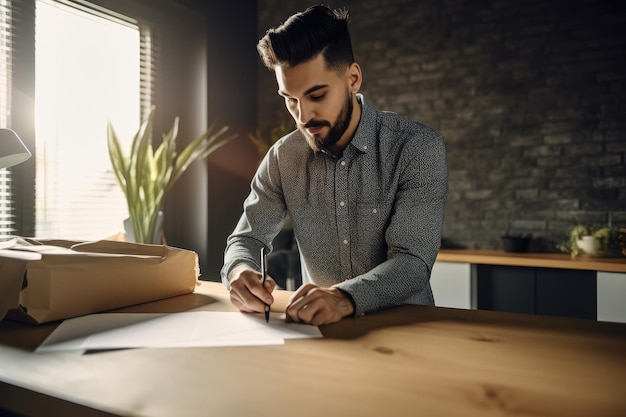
43	281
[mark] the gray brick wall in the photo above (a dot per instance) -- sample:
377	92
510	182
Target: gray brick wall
529	96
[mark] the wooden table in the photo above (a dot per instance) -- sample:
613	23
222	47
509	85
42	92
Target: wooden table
407	361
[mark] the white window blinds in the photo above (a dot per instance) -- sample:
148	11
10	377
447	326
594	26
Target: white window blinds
6	49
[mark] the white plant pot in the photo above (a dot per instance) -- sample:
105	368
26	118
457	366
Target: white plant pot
589	245
157	234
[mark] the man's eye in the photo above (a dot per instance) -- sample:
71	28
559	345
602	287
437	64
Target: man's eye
317	97
291	100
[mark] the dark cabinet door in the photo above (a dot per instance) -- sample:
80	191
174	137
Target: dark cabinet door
505	288
566	292
545	291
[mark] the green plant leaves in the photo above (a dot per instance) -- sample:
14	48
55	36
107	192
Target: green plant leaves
146	175
608	240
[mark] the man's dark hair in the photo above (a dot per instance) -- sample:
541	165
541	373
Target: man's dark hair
306	34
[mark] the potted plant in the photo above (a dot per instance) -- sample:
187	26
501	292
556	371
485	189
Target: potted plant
146	175
575	235
515	243
263	143
585	240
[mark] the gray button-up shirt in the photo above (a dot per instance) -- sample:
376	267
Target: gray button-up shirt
368	222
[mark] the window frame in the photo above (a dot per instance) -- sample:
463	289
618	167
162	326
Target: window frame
181	93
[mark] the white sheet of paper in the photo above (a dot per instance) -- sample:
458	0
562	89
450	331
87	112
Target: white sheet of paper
189	329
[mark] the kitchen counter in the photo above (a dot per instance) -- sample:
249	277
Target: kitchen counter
536	283
540	260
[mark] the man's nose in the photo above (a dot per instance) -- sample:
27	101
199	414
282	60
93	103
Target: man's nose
305	113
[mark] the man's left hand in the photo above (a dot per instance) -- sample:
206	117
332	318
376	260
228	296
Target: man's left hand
317	306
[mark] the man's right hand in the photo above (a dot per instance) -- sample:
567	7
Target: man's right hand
246	291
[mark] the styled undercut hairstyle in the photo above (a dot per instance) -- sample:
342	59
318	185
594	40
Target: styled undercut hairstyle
304	35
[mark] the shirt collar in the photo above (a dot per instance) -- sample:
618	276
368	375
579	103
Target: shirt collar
364	138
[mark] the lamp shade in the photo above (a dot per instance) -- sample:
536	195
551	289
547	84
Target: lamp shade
12	149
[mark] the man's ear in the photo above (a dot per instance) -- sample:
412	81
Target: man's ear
355	77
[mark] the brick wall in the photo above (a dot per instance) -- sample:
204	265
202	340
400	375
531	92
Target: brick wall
529	97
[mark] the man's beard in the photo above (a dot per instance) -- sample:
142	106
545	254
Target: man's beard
318	142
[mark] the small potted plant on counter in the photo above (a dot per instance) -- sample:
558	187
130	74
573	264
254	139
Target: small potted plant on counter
596	242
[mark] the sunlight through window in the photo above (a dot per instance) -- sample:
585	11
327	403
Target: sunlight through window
87	71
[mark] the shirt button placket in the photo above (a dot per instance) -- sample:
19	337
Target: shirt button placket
343	218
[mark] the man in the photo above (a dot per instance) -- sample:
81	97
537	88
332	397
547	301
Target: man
365	190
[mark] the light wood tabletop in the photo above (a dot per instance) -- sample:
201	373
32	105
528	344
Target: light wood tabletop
406	361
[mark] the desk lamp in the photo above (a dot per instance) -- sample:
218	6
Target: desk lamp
12	152
12	149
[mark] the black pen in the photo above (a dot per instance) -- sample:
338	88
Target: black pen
264	275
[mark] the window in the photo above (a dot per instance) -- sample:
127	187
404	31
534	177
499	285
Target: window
6	208
87	71
172	75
